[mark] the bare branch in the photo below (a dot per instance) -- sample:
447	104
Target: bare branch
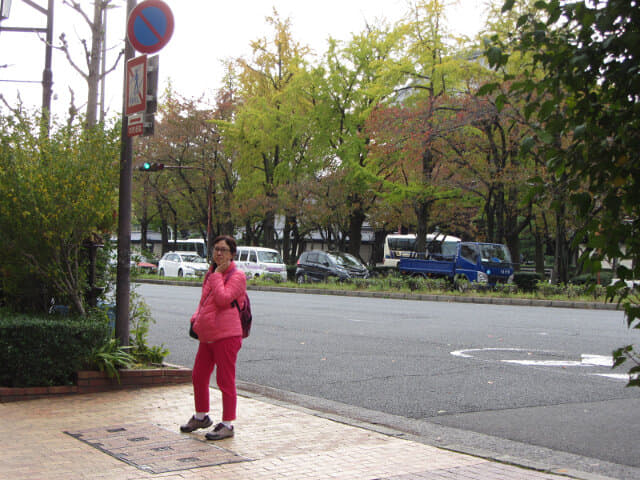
14	110
114	66
76	6
73	110
65	48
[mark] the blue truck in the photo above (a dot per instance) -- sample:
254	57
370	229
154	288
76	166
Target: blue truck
488	263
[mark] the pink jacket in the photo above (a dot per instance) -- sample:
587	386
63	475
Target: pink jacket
215	317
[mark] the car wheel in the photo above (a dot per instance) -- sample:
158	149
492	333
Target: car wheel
300	279
161	272
462	283
180	273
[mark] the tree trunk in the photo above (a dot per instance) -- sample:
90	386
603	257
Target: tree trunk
356	220
422	215
164	235
560	272
513	243
538	235
377	255
289	226
489	213
93	79
144	227
423	203
269	229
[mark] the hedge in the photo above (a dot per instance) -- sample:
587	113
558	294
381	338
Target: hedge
527	281
47	351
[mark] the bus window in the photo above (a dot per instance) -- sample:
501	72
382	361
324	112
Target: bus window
196	245
396	247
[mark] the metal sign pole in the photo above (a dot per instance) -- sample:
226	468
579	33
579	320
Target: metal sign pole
124	211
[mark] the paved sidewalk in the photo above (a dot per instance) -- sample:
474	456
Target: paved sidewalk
134	434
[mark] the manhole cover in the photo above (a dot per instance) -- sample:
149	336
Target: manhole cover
154	449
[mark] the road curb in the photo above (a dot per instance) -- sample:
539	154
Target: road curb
525	302
479	445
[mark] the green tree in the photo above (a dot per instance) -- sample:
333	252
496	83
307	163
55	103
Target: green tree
56	194
350	82
194	191
414	127
270	133
588	106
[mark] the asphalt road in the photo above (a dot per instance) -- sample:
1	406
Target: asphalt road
521	384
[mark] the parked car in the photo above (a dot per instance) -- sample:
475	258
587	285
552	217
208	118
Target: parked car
143	264
137	262
316	265
260	261
182	264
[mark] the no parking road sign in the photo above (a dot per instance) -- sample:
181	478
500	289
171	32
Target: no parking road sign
150	26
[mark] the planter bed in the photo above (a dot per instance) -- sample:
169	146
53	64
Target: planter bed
90	381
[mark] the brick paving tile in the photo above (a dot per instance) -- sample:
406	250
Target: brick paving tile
281	443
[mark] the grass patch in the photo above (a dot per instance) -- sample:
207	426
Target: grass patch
395	283
400	284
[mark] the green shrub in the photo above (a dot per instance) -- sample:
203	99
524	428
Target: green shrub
549	290
527	281
603	278
110	357
381	271
47	351
140	320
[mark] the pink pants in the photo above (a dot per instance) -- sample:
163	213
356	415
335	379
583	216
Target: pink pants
221	354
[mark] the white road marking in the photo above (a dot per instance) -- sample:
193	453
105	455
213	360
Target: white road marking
586	360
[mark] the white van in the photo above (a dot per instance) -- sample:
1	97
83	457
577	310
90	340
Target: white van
260	261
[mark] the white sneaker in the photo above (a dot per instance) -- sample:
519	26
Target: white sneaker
219	432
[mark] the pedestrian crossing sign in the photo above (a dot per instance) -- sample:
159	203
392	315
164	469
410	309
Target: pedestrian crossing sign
136	87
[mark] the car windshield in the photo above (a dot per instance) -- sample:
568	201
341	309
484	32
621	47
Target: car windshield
495	253
193	259
345	260
269	257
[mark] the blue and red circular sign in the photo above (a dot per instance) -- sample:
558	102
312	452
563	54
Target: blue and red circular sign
150	26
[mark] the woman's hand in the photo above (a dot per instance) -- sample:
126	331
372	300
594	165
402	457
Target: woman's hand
223	265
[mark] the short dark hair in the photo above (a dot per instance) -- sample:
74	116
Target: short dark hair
229	240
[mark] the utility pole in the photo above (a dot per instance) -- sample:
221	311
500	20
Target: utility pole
47	74
124	210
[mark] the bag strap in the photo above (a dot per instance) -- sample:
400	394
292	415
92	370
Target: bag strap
226	277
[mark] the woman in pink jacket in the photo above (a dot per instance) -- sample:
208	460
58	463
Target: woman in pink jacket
217	324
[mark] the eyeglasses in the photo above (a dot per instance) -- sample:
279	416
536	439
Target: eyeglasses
221	250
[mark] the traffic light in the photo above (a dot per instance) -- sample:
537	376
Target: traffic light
151	167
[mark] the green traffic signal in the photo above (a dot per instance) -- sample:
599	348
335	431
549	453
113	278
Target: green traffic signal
151	167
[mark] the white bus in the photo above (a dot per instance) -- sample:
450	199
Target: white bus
196	245
397	246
